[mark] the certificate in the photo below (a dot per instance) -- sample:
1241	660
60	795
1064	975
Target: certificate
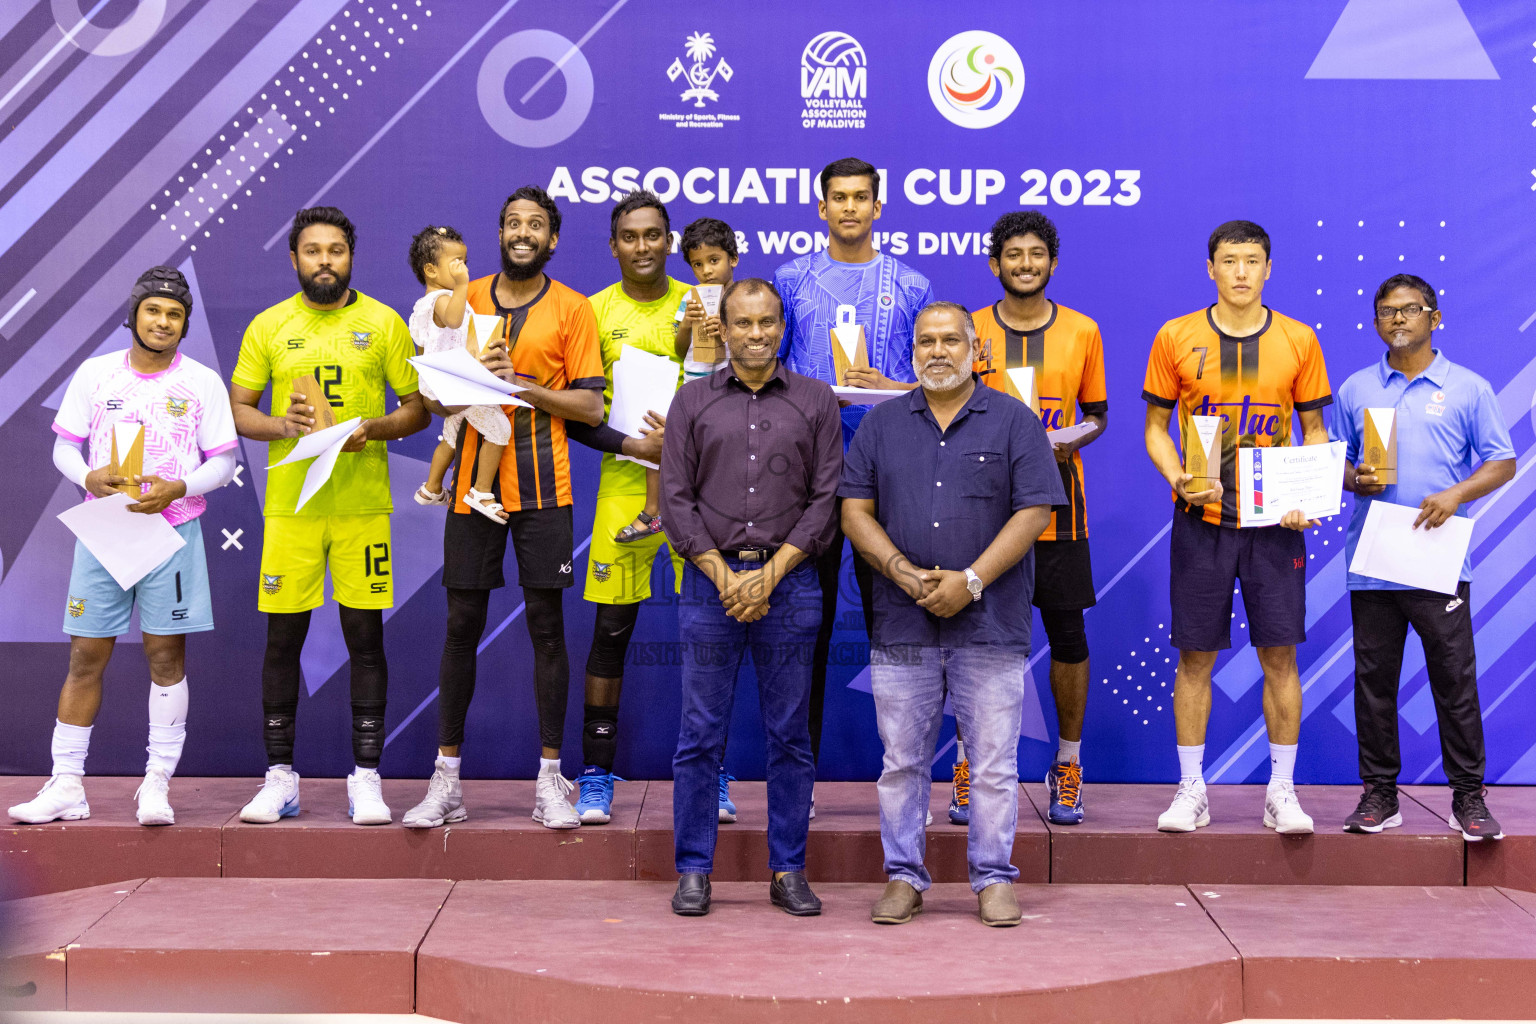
867	396
1391	549
642	381
324	446
1273	481
129	545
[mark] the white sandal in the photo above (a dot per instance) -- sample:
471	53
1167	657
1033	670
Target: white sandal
485	503
426	497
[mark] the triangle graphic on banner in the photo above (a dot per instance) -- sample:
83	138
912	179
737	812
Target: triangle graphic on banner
1403	39
32	596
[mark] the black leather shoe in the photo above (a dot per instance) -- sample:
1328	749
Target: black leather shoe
692	896
793	893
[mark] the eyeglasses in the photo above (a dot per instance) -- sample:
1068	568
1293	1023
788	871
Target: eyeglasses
1412	312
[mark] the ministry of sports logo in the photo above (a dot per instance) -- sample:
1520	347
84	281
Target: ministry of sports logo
271	584
834	82
976	79
700	73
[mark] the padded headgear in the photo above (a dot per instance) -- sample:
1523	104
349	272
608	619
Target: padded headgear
162	281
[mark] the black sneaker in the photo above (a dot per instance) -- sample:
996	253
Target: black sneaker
1377	810
1470	817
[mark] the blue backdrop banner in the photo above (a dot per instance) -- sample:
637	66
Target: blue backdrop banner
1369	137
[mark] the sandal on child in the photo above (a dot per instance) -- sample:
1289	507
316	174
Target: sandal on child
629	534
486	504
426	497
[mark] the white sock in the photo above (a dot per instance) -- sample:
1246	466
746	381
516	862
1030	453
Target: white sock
548	767
70	745
358	770
1068	750
1191	762
450	763
167	725
279	767
959	750
1282	762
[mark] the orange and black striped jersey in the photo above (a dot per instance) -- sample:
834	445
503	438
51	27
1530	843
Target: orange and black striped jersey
553	342
1067	354
1252	383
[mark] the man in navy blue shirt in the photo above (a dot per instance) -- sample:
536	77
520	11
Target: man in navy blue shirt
944	492
1447	418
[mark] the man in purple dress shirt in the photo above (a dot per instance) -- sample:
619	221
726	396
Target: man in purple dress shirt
749	478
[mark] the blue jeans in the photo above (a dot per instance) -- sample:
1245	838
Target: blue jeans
713	644
986	690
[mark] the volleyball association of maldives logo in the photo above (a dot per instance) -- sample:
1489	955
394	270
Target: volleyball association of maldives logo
976	79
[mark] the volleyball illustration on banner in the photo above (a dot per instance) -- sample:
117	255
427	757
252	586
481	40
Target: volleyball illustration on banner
976	79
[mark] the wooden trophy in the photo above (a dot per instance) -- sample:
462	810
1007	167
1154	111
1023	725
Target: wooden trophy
482	330
849	349
1021	385
1202	452
707	349
128	457
314	397
1380	448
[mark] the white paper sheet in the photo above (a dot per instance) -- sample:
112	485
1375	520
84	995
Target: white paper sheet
642	381
129	545
458	378
867	396
1067	435
1391	549
324	446
1273	481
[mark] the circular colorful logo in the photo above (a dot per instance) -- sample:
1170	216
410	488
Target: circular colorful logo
976	79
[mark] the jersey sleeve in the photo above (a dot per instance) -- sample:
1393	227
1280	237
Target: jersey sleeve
253	368
1311	389
397	359
860	479
216	429
1092	396
74	417
1490	435
583	353
1162	386
784	284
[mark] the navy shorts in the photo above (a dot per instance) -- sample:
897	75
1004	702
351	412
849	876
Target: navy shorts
1207	560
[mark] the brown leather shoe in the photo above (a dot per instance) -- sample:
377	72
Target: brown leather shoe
999	908
897	904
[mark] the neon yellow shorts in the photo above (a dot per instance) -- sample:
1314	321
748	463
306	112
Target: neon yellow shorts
621	573
295	551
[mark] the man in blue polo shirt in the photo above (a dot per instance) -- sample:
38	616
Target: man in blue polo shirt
884	295
1447	418
944	492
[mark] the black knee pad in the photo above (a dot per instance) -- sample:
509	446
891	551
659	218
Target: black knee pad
611	630
278	727
1068	639
367	733
544	610
600	735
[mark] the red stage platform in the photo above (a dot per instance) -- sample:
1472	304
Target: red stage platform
1119	842
578	951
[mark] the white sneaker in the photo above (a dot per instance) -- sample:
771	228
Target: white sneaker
928	820
365	798
813	805
550	807
154	797
62	798
444	802
277	798
1190	808
1282	811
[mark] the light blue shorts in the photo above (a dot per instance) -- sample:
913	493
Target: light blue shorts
173	598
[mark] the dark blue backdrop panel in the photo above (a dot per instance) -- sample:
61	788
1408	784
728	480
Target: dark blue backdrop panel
1369	138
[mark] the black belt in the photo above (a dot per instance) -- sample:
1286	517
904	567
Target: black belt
748	554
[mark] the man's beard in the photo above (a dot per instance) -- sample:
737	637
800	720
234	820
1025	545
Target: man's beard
525	271
1045	279
325	294
955	379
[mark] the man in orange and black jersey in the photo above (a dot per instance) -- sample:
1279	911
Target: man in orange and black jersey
1024	328
1251	366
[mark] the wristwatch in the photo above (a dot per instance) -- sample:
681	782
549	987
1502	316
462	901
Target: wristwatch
973	584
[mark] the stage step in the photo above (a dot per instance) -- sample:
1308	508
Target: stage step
483	951
1117	843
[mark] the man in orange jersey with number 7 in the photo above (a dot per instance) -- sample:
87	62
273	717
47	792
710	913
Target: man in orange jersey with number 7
1242	362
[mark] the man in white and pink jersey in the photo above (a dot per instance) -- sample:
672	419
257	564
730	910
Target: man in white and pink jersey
189	449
